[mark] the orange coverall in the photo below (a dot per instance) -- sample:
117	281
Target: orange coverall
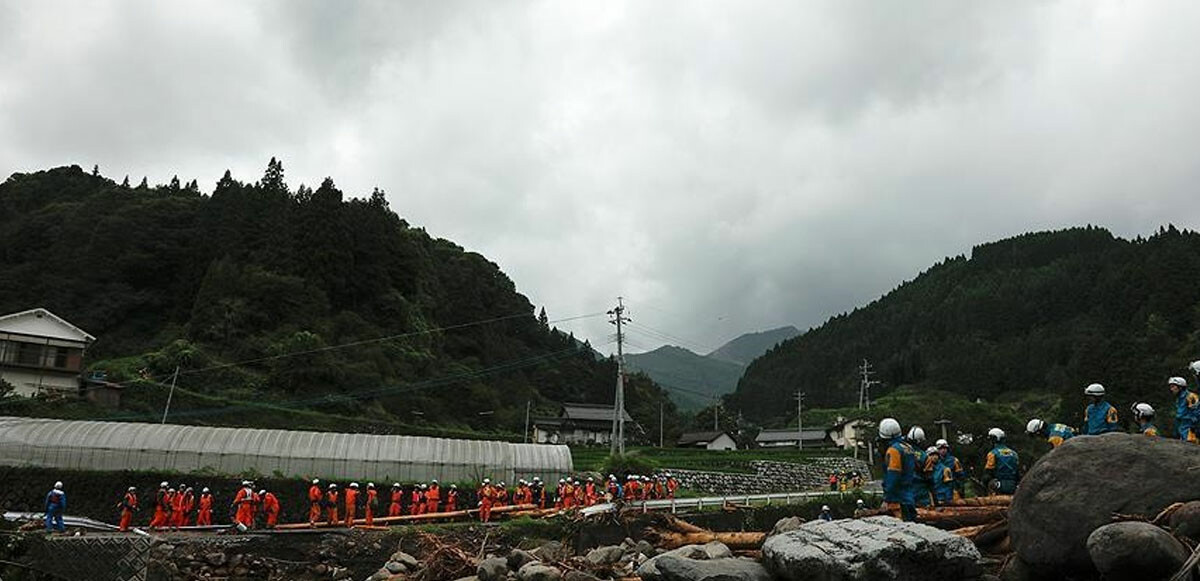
372	501
270	505
351	505
331	500
432	497
244	501
314	504
394	507
128	506
204	517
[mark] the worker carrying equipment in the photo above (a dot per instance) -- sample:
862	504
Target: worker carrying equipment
1187	408
244	506
1002	469
1143	414
1056	434
899	468
1100	417
128	505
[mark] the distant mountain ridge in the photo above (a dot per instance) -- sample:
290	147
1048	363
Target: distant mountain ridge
694	380
751	346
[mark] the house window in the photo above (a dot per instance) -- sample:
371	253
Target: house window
60	357
7	351
29	354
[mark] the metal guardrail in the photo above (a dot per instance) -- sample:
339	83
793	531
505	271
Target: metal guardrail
674	504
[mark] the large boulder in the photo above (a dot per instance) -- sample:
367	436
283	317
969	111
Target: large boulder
1076	488
1135	551
876	549
535	571
1185	521
494	569
674	568
648	571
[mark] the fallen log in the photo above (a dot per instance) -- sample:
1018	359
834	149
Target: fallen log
951	518
682	526
998	500
739	541
969	532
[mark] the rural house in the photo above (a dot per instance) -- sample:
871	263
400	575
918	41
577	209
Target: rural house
707	441
41	353
578	423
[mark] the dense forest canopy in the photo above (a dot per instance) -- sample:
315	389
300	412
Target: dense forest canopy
280	278
1042	313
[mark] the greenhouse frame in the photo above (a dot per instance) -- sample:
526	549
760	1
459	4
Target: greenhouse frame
94	445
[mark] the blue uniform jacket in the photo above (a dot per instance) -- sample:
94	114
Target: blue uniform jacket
1100	418
899	470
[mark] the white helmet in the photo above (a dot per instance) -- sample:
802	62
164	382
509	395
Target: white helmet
162	484
353	485
58	484
1095	390
889	428
316	480
942	443
434	481
332	486
1034	426
859	502
1181	382
205	489
996	434
1195	366
932	450
825	507
1143	410
424	487
262	492
916	434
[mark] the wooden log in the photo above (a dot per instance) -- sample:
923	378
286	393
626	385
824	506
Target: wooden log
969	532
681	526
955	518
735	541
998	500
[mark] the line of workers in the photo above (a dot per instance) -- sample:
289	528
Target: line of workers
180	507
914	478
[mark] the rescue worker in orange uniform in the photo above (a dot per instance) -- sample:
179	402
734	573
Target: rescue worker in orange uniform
485	500
177	507
589	492
371	504
396	500
204	515
580	499
351	503
270	507
314	502
331	504
672	485
244	506
417	504
189	507
452	498
162	507
433	497
632	487
568	494
559	497
129	505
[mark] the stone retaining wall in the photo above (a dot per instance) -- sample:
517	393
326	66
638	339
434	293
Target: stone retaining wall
769	476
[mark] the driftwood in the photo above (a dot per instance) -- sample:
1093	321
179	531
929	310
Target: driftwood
951	518
735	541
998	500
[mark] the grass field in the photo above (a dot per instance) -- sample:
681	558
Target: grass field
593	457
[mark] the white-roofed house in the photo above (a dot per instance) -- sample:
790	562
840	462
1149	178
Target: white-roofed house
41	352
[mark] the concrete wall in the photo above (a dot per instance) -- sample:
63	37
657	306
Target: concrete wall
769	476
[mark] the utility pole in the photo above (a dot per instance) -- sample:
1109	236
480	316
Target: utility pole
618	318
527	404
170	394
660	424
864	401
716	409
800	420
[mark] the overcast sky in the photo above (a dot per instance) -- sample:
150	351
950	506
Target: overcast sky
727	166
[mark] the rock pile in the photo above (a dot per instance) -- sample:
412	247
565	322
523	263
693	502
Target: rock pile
1075	490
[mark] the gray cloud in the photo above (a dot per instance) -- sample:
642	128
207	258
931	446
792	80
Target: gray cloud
726	166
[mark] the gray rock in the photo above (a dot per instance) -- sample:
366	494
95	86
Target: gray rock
380	575
786	524
605	555
717	550
471	578
517	559
494	569
876	548
395	567
1059	503
646	549
680	569
538	572
216	559
1185	521
409	561
552	551
579	576
1135	551
648	571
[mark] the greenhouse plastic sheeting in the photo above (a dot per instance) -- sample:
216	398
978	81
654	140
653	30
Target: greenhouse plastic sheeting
85	445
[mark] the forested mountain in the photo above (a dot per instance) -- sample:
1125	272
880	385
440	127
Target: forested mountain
751	346
255	291
692	380
1043	313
